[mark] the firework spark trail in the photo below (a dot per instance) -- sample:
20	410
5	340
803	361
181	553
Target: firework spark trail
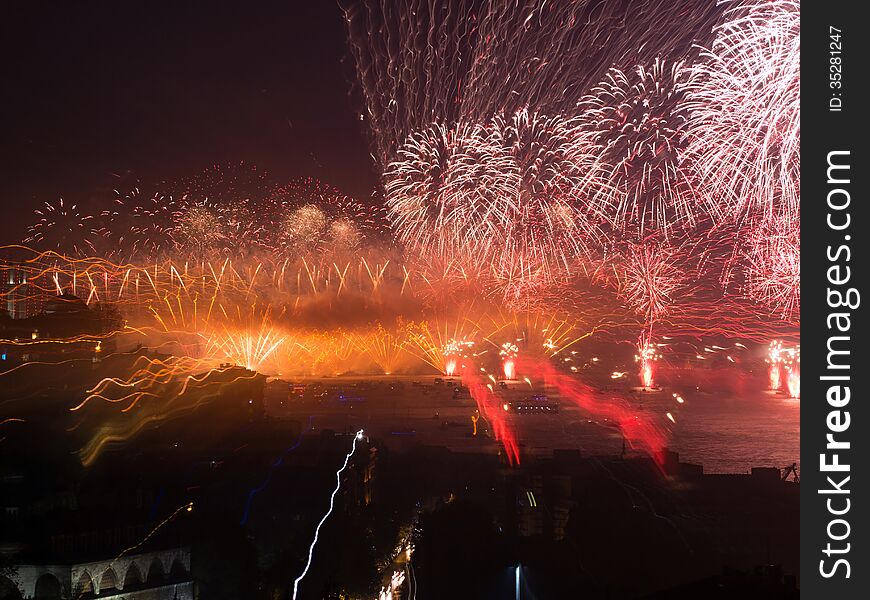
337	208
138	223
179	394
638	430
638	119
249	348
442	342
63	226
199	229
455	351
470	62
231	210
357	437
784	367
384	347
525	149
239	310
504	197
744	129
200	300
772	271
303	228
538	335
647	355
187	507
519	164
793	380
226	205
650	279
508	354
520	144
774	359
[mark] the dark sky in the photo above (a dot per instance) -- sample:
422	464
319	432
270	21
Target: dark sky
165	89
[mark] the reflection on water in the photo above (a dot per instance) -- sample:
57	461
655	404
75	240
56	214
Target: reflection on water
731	434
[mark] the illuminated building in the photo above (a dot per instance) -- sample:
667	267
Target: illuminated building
147	576
21	299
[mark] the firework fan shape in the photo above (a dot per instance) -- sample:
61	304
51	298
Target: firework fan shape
63	227
637	119
744	130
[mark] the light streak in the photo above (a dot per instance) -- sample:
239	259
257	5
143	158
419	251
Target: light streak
357	437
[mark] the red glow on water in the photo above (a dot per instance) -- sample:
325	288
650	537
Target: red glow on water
490	407
638	429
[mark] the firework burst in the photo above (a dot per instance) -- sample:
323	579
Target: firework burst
650	279
198	229
744	129
139	225
502	198
420	62
772	258
508	353
638	119
784	367
63	227
303	229
367	219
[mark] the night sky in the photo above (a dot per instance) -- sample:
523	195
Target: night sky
93	90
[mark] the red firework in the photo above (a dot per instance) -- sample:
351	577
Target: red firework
63	227
638	119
